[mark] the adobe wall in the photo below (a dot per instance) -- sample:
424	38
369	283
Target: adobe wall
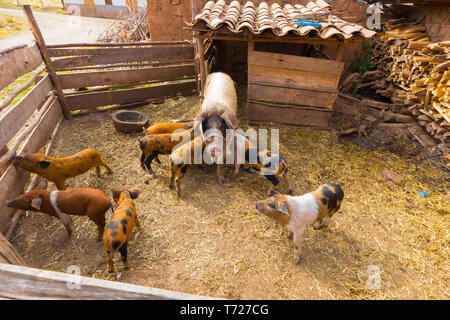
436	18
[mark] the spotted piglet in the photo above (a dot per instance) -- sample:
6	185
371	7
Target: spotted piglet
119	230
297	212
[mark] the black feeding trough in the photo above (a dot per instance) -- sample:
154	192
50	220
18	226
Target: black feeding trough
129	121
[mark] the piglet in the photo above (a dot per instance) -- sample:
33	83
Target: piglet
88	202
297	212
121	227
58	170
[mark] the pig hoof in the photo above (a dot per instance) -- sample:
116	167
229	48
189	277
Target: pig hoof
298	259
110	172
152	176
171	186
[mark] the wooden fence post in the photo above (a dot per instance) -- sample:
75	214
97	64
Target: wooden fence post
201	59
46	57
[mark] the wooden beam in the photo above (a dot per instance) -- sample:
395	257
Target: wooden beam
201	59
16	63
122	44
46	57
124	77
275	39
18	282
340	52
106	98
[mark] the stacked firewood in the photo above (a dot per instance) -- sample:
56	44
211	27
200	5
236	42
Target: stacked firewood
414	73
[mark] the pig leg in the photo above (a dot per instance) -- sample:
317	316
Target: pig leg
180	176
172	176
103	164
124	255
148	162
287	182
157	159
138	224
220	174
110	261
298	237
100	223
65	219
60	184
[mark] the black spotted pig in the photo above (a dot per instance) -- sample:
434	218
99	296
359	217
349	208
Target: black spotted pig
297	212
121	226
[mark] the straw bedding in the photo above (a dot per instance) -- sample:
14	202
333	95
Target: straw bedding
212	241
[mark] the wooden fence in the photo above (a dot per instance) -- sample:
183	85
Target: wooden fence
122	74
73	77
25	126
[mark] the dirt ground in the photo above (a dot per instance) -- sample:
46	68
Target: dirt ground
212	242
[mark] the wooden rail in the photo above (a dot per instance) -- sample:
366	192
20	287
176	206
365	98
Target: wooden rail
17	282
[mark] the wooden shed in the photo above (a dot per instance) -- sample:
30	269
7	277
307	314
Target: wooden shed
289	80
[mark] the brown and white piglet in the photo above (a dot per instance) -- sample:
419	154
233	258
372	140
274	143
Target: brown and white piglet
88	202
58	170
297	212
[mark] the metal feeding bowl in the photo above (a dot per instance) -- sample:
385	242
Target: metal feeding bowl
129	121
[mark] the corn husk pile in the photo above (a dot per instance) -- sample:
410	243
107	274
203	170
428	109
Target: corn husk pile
133	28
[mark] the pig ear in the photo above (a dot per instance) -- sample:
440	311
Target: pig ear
230	119
44	164
36	203
283	208
134	194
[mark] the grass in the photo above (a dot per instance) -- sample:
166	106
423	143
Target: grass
51	6
10	26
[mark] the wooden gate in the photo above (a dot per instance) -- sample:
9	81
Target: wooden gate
291	89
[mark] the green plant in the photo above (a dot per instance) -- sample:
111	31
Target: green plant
362	61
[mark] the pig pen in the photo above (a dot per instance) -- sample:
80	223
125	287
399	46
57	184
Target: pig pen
212	242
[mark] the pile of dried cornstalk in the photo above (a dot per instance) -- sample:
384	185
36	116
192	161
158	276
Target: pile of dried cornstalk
133	28
413	72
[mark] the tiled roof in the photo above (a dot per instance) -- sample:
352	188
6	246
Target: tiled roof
277	19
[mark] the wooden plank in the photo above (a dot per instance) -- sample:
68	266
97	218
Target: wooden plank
291	95
18	282
18	62
122	44
309	117
8	253
292	78
12	120
129	51
286	61
105	98
110	56
13	180
124	77
45	56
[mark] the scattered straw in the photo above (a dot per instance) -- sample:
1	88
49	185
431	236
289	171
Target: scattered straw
212	242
